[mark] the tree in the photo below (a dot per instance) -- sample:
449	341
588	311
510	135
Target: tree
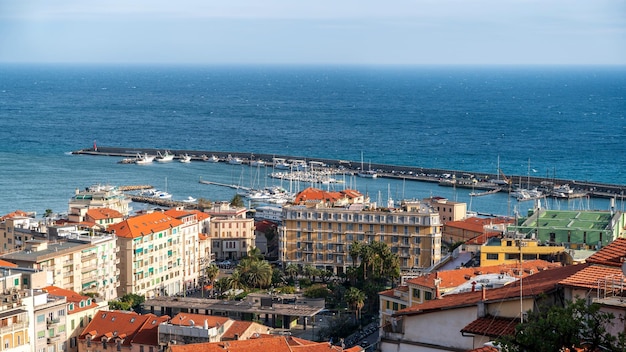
317	291
292	270
47	213
237	201
356	299
127	302
211	272
255	254
577	325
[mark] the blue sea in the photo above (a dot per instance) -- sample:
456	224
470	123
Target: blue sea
562	122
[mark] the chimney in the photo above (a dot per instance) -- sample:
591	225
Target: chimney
437	282
484	298
473	286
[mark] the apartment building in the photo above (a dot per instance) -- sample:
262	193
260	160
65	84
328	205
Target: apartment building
14	322
97	196
231	233
321	235
82	263
447	209
47	323
151	255
17	228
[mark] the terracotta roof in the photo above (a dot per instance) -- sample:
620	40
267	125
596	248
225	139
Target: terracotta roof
148	334
595	276
202	236
175	213
311	194
103	213
491	326
189	319
454	278
482	238
484	349
71	297
272	343
144	224
15	214
200	215
476	224
237	328
5	263
612	254
542	282
119	323
263	225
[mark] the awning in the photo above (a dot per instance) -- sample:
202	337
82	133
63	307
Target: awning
208	287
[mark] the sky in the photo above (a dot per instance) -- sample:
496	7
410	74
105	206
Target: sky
319	32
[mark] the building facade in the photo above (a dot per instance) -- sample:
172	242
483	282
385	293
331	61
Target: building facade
322	236
231	233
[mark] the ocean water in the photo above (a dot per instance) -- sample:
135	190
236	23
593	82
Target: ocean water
567	122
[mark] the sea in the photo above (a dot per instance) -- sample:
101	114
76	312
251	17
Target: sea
565	122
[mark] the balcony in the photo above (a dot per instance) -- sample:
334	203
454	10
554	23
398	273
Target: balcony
53	340
19	326
52	321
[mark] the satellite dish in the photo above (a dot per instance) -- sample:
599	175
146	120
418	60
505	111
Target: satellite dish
624	268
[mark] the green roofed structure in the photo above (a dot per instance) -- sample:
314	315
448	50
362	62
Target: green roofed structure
573	229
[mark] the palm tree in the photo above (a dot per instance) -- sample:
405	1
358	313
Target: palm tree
235	281
259	274
255	254
292	270
356	299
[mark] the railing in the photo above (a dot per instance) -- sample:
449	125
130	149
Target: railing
14	327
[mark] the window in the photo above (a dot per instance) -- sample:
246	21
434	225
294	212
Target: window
428	295
492	256
41	318
417	293
395	306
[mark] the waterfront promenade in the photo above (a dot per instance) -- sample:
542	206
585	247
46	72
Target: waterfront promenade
402	172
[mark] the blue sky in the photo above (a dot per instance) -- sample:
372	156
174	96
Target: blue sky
362	32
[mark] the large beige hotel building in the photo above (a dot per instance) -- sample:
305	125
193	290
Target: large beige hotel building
322	235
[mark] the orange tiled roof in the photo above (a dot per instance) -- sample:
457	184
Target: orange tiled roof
475	224
237	328
202	236
311	194
124	323
542	282
15	214
612	254
5	263
482	238
594	276
491	326
175	213
484	349
148	334
200	215
71	297
144	224
189	319
273	343
103	213
454	278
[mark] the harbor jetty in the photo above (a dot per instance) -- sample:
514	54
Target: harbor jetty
402	172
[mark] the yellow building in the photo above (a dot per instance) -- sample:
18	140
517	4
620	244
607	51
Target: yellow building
507	250
231	233
321	235
14	323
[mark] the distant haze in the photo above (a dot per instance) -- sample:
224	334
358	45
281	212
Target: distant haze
450	32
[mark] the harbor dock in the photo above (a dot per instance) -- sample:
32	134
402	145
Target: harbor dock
401	172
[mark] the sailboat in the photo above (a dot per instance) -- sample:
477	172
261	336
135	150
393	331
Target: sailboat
369	173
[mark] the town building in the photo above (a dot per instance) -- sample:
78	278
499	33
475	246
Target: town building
437	284
80	310
150	255
17	228
321	235
100	218
14	322
231	233
47	323
190	252
573	229
121	331
448	210
264	343
188	328
465	229
97	196
508	249
83	263
473	319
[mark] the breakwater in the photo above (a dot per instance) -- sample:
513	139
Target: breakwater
402	172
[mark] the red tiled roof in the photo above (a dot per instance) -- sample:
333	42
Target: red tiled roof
124	323
71	297
15	214
491	326
312	194
148	334
476	224
263	225
103	213
454	278
542	282
482	238
237	328
200	215
144	224
484	349
189	319
595	276
270	343
612	254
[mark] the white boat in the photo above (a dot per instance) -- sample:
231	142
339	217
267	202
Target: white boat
257	162
281	164
184	158
233	160
190	199
165	157
144	159
211	159
155	193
